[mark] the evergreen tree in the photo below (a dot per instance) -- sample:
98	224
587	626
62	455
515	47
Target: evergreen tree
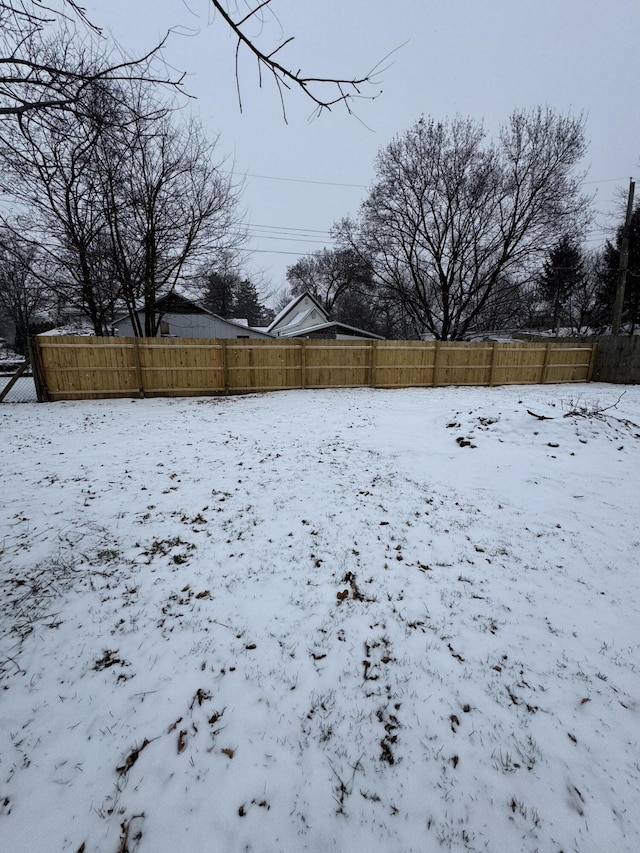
609	277
232	297
247	305
562	275
220	293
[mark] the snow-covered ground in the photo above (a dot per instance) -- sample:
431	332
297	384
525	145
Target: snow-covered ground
358	621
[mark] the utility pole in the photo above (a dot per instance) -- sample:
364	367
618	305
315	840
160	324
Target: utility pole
624	263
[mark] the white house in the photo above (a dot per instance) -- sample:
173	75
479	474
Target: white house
304	317
182	318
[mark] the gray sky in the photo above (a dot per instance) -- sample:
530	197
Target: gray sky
481	58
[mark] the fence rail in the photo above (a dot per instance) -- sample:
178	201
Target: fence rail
70	368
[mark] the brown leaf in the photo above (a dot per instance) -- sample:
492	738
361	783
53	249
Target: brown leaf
174	726
182	741
131	759
228	752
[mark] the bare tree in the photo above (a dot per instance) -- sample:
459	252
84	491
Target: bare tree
342	281
50	172
36	76
46	62
124	196
329	275
452	216
168	208
23	296
582	301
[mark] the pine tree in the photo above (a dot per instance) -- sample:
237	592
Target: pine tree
247	305
562	275
220	294
611	266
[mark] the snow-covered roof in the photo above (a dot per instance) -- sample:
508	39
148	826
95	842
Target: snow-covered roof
292	305
329	325
297	320
77	329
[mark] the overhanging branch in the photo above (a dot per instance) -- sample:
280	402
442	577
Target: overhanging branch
324	92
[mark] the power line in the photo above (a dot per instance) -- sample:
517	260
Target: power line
607	180
289	239
365	186
287	228
277	252
304	181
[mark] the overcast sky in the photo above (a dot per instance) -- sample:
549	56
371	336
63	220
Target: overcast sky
481	58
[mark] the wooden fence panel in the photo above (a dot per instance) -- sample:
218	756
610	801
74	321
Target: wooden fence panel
405	364
568	363
75	368
464	364
269	366
87	368
184	367
515	365
337	364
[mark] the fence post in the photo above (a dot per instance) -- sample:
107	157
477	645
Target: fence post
225	369
39	375
493	363
303	363
136	358
373	363
592	361
545	365
436	359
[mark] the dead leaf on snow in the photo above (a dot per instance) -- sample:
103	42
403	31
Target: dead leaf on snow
182	741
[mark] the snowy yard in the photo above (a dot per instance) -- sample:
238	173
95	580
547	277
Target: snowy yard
357	621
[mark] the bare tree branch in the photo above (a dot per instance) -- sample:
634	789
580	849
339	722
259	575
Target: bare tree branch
29	82
324	92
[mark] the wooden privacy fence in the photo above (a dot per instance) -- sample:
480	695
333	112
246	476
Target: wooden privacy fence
84	368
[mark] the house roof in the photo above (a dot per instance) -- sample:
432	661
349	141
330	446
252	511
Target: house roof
343	327
296	320
175	303
292	305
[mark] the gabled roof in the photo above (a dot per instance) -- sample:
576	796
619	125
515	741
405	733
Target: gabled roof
332	324
175	303
291	307
296	320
